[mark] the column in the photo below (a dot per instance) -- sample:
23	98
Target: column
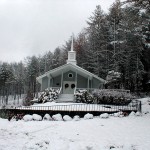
76	79
48	82
88	83
41	82
62	79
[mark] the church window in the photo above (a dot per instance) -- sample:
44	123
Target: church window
70	75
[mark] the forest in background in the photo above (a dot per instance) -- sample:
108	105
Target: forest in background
118	40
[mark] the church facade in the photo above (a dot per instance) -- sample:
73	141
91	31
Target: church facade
70	77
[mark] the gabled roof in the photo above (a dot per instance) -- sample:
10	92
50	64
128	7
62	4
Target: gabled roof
69	67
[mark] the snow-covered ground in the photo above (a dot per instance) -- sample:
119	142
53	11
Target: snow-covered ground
116	133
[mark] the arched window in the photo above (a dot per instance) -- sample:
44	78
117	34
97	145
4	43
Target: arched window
70	75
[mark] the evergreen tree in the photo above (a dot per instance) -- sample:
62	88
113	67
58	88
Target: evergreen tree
32	73
6	76
143	4
57	58
97	41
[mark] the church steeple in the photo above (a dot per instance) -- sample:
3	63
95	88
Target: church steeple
72	55
72	44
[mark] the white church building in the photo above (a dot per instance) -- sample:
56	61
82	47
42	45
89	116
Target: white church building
70	76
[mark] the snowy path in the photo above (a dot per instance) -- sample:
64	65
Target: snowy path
126	133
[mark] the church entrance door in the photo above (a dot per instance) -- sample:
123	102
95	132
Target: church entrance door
68	87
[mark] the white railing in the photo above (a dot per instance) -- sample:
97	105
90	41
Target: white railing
133	106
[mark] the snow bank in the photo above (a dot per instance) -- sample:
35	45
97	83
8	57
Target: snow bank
28	118
67	118
118	114
37	117
132	114
76	118
105	115
88	116
138	114
47	117
57	117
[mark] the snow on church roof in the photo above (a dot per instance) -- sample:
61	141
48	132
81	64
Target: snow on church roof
67	67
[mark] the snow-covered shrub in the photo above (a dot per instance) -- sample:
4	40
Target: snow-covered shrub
88	116
105	115
76	118
67	118
57	117
132	114
47	117
84	96
114	97
138	113
28	118
118	114
37	117
104	96
145	112
48	95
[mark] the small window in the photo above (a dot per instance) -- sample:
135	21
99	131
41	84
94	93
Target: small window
57	83
70	75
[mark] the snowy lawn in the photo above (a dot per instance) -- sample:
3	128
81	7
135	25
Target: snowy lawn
116	133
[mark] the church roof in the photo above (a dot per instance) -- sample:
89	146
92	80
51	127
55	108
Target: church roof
69	67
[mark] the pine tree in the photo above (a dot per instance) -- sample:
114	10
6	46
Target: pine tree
116	34
6	76
134	48
143	4
32	73
82	50
97	41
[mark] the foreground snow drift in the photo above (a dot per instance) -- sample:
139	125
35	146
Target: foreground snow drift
116	133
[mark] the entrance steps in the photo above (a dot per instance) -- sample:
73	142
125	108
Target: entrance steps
66	98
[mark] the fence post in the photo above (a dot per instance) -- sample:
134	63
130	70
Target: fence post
140	106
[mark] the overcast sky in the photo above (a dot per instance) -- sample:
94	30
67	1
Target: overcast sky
32	27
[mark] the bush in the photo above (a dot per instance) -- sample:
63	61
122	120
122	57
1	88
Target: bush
83	96
47	117
67	118
28	118
103	96
48	95
57	117
112	97
105	115
88	116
